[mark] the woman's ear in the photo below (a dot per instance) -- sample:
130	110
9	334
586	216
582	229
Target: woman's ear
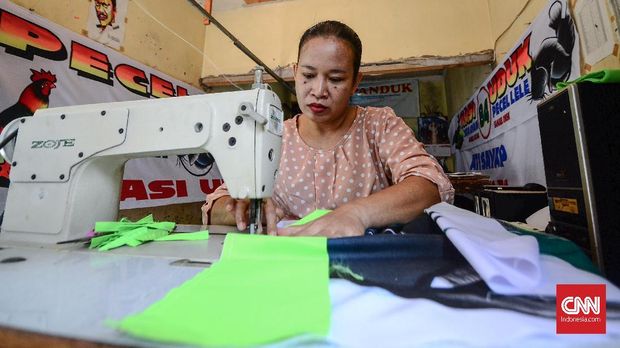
294	69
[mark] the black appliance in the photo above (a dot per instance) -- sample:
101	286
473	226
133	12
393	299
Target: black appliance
580	136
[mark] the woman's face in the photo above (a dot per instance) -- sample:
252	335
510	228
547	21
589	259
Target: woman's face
324	79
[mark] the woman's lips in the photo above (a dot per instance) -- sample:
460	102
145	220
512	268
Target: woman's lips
317	108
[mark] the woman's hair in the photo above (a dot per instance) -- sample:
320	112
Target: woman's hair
340	31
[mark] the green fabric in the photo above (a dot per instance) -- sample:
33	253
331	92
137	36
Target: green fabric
263	289
199	235
562	248
601	76
114	234
311	217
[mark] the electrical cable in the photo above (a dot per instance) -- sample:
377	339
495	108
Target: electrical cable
243	48
511	24
187	42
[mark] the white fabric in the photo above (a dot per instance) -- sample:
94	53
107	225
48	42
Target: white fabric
373	317
539	219
508	263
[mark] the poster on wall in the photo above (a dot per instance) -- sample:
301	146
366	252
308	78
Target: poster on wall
45	65
496	131
106	22
399	94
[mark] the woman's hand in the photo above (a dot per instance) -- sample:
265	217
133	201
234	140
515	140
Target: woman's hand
345	221
238	208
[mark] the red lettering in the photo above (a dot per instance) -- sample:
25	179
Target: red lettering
407	88
208	186
384	89
499	80
133	189
161	88
90	63
161	189
524	59
492	91
181	91
133	79
512	73
395	88
26	39
181	188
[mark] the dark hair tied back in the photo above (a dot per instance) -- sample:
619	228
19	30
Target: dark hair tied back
340	31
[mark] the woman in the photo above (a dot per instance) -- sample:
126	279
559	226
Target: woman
364	163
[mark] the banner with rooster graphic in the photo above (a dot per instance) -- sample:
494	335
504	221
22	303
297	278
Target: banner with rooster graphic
45	65
496	131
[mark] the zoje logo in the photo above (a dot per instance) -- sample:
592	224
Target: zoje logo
580	308
52	144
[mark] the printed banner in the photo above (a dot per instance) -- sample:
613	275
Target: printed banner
106	22
496	131
45	65
399	94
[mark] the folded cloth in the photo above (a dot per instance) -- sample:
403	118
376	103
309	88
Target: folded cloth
509	264
601	76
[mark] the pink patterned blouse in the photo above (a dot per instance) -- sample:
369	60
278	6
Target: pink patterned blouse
379	150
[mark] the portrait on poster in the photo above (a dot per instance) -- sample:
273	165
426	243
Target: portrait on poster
106	22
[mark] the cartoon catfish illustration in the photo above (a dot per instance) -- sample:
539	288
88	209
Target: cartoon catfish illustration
552	63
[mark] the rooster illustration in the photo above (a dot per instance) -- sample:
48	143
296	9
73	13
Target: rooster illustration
34	96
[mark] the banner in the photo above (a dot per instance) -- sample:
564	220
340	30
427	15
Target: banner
45	65
399	94
496	131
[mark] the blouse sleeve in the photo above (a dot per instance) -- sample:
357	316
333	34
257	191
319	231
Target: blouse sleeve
219	192
403	156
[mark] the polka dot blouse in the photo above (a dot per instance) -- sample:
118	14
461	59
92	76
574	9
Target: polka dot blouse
378	150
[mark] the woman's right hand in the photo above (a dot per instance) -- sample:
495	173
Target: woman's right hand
238	208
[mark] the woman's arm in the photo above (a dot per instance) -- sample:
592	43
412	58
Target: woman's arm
399	203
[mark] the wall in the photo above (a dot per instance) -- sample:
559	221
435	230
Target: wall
612	61
145	40
389	30
509	20
508	23
503	12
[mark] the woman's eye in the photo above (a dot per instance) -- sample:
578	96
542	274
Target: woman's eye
308	76
336	79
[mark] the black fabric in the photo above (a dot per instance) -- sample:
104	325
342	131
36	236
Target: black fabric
406	263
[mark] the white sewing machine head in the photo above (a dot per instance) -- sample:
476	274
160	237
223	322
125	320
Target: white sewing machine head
67	163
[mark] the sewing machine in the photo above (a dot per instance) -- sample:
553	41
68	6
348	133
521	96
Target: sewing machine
67	162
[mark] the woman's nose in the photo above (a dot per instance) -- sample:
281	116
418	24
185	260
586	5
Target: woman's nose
319	87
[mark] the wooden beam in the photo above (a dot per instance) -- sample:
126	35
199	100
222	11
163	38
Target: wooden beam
392	67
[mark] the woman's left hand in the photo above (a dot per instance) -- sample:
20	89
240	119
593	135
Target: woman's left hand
345	221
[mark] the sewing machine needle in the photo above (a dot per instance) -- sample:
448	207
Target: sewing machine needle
256	225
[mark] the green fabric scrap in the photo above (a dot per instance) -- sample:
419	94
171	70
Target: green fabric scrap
345	272
264	289
311	217
114	234
601	76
